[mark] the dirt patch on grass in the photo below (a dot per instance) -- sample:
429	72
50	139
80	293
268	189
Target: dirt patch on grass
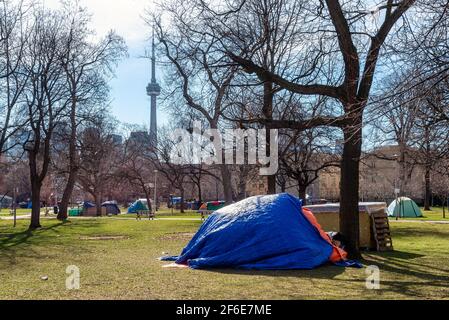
177	236
104	238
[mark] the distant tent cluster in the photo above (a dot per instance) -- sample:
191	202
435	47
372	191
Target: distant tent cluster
110	207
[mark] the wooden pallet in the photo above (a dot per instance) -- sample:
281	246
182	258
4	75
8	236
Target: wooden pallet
381	230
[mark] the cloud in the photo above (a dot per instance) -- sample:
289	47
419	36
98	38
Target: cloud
123	16
129	100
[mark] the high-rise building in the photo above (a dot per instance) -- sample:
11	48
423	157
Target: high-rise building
153	90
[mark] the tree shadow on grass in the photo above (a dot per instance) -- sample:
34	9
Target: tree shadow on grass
415	278
323	272
23	244
419	232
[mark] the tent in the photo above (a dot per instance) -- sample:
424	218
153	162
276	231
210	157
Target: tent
87	205
139	205
404	208
75	212
213	205
111	207
265	233
5	201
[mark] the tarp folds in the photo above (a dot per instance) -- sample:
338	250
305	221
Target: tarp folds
265	233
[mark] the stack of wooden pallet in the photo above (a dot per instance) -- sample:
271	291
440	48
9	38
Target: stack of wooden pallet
381	230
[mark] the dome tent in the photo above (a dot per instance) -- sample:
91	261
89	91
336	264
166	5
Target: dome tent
265	233
404	208
111	207
139	205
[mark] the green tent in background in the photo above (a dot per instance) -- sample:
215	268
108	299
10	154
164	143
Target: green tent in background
404	208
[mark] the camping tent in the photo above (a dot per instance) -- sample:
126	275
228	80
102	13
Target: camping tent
263	232
213	205
5	201
139	205
88	205
404	208
111	207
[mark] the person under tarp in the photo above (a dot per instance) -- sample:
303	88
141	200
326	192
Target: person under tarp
264	233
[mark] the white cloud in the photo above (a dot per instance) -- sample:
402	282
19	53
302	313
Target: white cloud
133	74
123	16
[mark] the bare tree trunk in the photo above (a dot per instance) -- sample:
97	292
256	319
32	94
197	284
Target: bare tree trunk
428	168
302	193
36	206
227	184
182	200
63	208
444	209
200	192
36	186
97	199
241	194
73	168
283	186
428	190
402	169
148	197
349	191
268	114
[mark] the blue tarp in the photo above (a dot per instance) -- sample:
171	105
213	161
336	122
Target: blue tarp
111	207
87	205
264	232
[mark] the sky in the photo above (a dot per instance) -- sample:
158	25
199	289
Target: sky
129	104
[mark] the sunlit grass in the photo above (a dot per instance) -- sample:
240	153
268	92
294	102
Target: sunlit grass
127	268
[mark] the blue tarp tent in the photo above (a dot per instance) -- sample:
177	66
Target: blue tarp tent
87	205
111	207
264	232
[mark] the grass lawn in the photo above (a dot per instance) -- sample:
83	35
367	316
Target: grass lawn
436	214
164	213
127	267
20	212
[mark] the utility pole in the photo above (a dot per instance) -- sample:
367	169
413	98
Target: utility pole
155	191
14	209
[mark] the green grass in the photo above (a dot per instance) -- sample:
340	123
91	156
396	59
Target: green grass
435	214
20	212
164	213
127	268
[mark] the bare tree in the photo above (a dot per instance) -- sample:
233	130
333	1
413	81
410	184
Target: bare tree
199	79
86	64
175	172
99	159
345	76
137	166
46	98
13	37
